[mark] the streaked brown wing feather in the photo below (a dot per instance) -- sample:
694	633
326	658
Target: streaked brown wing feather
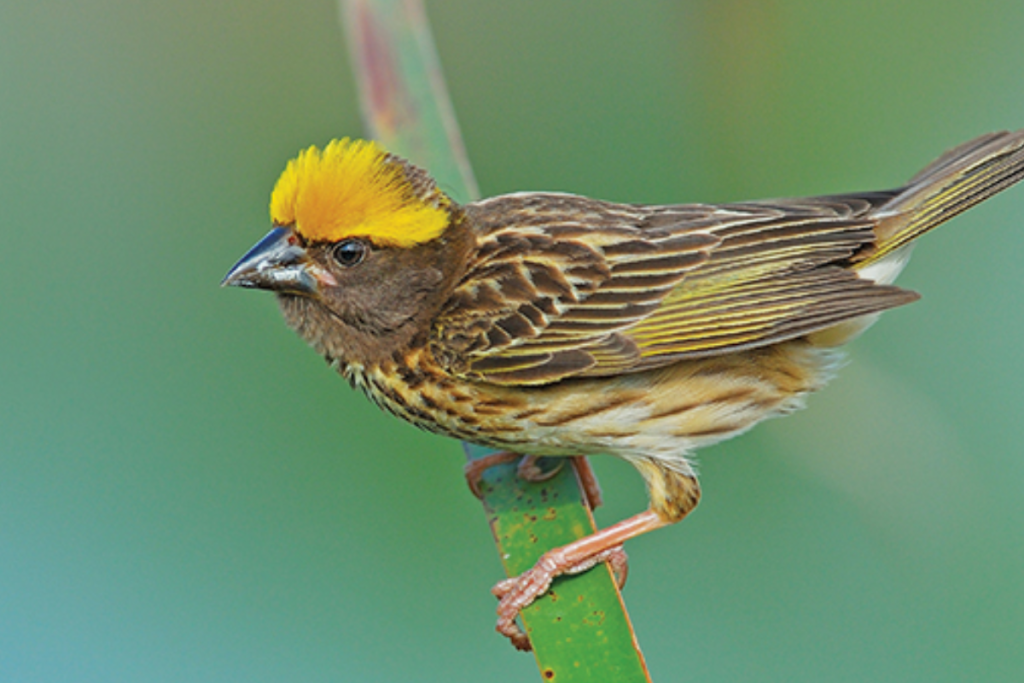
567	286
759	312
774	277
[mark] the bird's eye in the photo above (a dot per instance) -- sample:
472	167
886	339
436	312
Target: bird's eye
349	253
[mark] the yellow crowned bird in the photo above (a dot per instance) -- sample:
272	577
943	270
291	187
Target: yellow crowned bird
556	325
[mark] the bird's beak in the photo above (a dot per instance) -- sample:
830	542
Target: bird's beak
280	264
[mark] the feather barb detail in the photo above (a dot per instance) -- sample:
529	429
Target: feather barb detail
355	189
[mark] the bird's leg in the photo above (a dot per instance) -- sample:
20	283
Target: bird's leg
588	481
518	592
674	492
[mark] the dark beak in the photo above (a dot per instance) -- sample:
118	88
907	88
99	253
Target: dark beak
278	263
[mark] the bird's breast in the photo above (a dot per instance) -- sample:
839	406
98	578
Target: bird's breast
662	414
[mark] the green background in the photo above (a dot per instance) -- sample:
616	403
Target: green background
188	494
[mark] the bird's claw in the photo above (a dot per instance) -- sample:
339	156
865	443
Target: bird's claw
526	470
474	469
518	592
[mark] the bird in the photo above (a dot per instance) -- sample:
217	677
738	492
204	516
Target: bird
550	324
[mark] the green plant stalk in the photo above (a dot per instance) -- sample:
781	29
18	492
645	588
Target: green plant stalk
579	630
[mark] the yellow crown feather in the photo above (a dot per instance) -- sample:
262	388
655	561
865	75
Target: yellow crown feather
352	189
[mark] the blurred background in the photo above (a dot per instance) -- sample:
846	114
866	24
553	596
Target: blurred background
188	494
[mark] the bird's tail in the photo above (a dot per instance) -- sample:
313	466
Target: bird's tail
954	182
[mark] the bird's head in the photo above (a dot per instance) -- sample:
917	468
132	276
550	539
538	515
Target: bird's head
363	251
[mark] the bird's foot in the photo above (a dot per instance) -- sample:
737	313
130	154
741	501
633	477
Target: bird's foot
529	470
474	469
603	546
519	592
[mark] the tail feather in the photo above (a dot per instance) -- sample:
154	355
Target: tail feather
953	183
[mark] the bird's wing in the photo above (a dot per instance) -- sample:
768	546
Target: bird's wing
566	286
